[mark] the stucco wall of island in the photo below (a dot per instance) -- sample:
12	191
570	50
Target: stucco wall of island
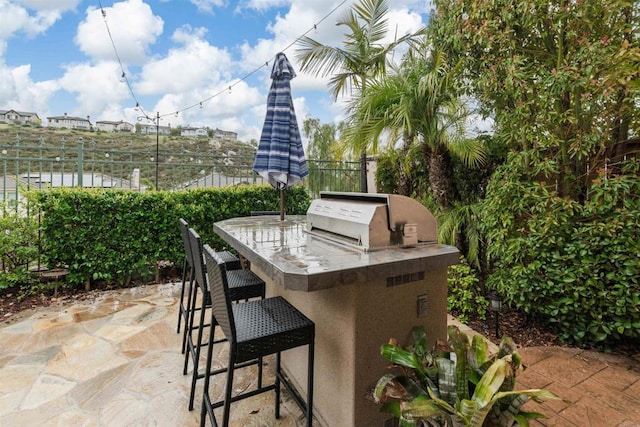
358	300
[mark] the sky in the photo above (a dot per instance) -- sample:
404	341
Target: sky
193	62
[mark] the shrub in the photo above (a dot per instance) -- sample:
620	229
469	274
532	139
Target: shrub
114	235
574	264
465	296
18	247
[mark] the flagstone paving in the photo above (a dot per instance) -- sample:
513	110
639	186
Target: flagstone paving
115	361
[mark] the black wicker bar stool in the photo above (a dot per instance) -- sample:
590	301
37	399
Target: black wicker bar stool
244	285
231	261
254	329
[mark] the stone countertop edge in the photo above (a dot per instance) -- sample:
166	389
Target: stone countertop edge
443	257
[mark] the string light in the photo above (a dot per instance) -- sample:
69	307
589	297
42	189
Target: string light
266	65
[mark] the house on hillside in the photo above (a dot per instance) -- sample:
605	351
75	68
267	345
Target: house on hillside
109	126
151	129
223	134
69	122
193	131
19	117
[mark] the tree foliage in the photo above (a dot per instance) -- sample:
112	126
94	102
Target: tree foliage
557	76
561	80
363	54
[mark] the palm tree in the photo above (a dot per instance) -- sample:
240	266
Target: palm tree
418	102
362	56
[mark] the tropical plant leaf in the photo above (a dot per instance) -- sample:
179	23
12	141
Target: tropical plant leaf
490	382
447	379
419	338
443	404
480	348
421	407
399	387
392	408
402	357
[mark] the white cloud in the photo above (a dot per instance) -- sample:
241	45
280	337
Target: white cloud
207	5
97	88
19	92
15	17
192	65
59	5
132	25
262	5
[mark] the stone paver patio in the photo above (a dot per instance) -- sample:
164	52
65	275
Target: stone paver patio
115	361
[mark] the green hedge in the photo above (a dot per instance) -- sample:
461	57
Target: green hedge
114	235
575	264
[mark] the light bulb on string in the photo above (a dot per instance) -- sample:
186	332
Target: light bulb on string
201	105
123	77
176	114
137	107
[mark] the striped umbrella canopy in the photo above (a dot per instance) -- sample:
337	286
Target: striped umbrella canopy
280	157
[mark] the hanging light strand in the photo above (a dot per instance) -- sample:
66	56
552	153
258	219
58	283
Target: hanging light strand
228	87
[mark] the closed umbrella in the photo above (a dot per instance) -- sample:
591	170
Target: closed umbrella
280	157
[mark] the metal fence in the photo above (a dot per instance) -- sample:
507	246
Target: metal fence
81	163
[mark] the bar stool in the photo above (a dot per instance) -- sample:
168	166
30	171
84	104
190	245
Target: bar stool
244	285
254	329
231	261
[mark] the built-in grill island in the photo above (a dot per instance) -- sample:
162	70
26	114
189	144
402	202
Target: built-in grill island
364	268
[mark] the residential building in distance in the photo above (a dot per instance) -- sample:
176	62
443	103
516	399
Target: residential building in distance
69	122
150	129
193	131
223	134
19	117
109	126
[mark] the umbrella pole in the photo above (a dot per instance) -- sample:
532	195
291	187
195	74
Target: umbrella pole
282	204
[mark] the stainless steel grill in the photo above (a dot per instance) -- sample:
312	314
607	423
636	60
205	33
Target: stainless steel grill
371	221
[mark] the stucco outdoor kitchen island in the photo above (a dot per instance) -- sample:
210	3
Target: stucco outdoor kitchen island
357	299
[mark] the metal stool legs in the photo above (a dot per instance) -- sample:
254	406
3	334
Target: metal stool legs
246	285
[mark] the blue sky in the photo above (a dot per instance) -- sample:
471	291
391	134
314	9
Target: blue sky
56	57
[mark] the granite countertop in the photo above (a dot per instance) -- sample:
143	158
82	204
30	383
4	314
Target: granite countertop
297	260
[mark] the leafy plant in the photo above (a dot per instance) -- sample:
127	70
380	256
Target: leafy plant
18	247
464	295
118	235
573	264
457	385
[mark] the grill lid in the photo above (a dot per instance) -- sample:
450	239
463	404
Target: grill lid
371	221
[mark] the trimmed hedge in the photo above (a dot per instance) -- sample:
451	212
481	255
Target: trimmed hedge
114	235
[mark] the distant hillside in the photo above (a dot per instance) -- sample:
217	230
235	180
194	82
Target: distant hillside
181	159
124	141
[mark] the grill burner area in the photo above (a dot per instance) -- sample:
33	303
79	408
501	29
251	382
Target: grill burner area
371	221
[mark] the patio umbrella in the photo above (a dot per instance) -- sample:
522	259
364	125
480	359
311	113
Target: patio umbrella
280	157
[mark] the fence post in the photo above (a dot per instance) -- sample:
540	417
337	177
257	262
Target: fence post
80	160
363	173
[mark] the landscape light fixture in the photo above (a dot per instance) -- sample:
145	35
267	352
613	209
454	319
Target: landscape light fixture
495	305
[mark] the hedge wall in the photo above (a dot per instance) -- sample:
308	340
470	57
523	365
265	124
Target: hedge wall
114	235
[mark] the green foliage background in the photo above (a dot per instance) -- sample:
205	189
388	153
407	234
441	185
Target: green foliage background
575	264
